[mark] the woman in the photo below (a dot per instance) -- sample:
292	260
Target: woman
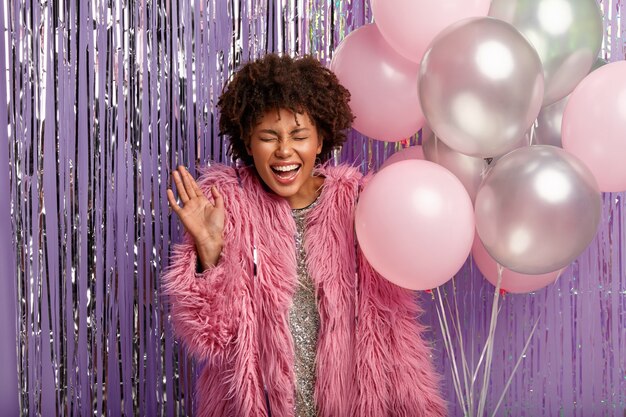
270	288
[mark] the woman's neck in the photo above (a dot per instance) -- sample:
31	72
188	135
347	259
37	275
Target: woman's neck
307	194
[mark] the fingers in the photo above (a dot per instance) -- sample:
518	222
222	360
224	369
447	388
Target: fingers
218	200
196	188
217	197
188	182
188	188
172	200
180	187
185	184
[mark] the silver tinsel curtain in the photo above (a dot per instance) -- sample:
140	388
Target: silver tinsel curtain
100	100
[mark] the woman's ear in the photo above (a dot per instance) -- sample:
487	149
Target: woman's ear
320	145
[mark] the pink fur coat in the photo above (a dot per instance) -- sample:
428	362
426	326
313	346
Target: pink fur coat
371	360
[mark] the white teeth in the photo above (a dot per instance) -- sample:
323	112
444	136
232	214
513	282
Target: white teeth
285	168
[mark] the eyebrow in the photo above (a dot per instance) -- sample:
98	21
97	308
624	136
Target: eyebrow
296	130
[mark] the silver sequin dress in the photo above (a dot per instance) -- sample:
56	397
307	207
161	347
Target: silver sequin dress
304	324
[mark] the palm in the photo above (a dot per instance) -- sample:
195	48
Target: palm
203	220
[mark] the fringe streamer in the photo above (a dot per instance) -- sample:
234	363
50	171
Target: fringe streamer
103	99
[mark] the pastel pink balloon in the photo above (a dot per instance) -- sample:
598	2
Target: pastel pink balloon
412	152
410	25
512	281
382	85
415	224
594	125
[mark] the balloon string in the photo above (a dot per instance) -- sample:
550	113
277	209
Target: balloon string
519	360
457	390
489	344
456	326
531	136
484	171
465	390
466	371
473	337
481	359
447	339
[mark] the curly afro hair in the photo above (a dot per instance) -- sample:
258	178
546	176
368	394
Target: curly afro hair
274	82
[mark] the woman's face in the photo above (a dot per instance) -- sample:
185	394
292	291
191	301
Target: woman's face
284	146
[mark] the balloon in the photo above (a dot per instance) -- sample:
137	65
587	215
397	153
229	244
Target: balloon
415	224
550	118
594	125
410	25
480	86
468	169
548	131
522	142
600	62
381	83
567	34
412	152
537	209
512	281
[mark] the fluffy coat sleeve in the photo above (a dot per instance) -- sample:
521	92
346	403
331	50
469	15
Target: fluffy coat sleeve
388	333
206	307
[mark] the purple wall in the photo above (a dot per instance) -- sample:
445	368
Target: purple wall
103	101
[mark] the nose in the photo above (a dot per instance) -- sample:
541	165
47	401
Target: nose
283	149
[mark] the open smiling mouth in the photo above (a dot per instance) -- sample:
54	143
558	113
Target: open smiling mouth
286	173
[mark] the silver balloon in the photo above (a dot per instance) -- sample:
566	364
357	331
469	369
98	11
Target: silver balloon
567	34
548	131
537	209
468	169
480	86
523	141
600	62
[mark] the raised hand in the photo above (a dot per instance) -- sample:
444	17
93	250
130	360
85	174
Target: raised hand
203	220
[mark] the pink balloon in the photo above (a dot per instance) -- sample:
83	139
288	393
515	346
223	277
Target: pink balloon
594	125
382	84
512	281
415	224
412	152
410	25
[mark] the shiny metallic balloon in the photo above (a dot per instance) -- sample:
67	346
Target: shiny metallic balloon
548	131
468	169
567	34
600	62
537	209
480	86
523	141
